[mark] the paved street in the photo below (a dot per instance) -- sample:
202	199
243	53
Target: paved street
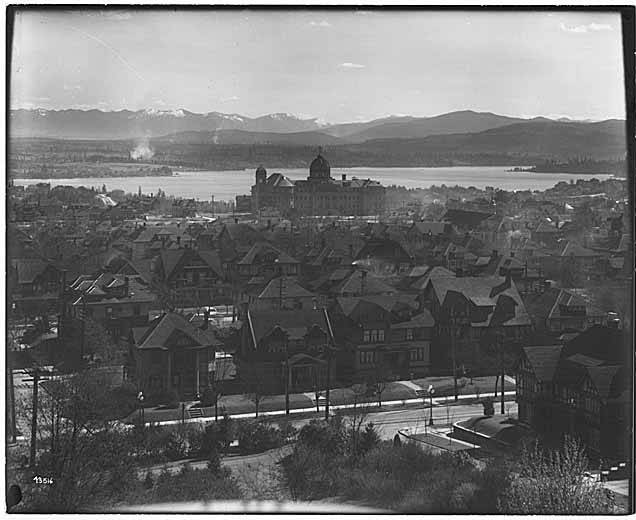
234	463
387	422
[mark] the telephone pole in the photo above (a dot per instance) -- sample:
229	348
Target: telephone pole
34	417
453	332
287	379
11	397
503	372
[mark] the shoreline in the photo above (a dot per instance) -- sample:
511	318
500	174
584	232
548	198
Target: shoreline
177	170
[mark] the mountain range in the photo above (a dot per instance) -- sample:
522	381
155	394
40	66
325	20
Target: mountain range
390	139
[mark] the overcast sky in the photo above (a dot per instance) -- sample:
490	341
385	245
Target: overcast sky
334	65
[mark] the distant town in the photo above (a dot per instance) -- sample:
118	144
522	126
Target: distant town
194	333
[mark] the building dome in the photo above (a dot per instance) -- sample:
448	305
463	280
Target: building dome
319	168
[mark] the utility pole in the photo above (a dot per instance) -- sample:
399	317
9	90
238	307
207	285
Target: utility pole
503	372
328	383
287	378
11	396
83	330
453	332
34	416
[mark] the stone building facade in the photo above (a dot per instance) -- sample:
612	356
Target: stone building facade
320	194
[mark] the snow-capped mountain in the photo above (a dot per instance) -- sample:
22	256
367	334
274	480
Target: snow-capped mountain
126	124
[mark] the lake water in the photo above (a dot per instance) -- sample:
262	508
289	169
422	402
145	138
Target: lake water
225	185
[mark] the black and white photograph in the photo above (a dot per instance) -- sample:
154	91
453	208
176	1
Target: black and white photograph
311	259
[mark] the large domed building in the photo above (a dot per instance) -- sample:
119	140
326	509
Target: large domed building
320	168
319	194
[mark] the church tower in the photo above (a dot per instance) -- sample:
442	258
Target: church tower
261	175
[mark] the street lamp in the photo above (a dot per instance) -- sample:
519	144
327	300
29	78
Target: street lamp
431	391
140	398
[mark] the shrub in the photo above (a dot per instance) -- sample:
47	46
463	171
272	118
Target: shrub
214	462
462	497
368	439
218	435
177	447
256	437
288	431
194	435
148	482
329	438
310	475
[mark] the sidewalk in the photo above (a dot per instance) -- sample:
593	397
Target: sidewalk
395	394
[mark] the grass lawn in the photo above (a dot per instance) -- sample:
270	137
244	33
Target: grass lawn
394	391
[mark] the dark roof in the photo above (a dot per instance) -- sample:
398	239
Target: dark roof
354	284
543	360
464	218
605	343
431	227
212	259
509	262
423	319
576	250
286	287
584	360
436	272
170	259
278	180
160	331
603	378
29	269
546	227
485	291
418	271
263	247
243	233
296	323
570	299
388	303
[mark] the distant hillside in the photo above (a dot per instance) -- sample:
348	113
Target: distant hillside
465	121
347	129
237	137
126	124
604	140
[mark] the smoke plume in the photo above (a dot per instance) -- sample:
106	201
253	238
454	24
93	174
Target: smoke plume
142	151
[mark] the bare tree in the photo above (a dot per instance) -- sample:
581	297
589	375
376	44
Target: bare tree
255	384
554	483
379	382
359	412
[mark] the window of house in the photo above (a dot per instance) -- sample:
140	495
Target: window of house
381	335
374	336
367	357
409	334
413	355
367	336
